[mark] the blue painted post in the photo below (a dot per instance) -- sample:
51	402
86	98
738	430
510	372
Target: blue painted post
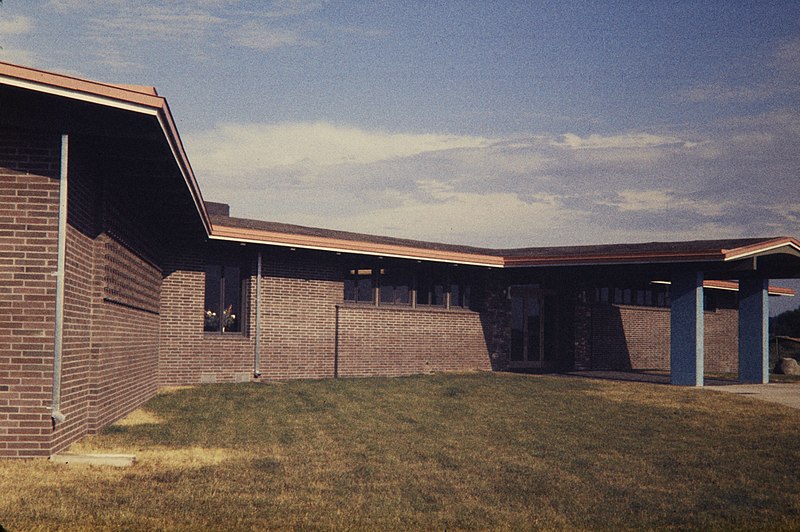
686	328
754	331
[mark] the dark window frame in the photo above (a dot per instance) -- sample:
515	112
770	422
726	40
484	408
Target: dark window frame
394	285
226	295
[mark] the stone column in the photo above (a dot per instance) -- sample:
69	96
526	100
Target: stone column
754	331
686	328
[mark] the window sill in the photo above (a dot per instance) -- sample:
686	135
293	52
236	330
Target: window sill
230	335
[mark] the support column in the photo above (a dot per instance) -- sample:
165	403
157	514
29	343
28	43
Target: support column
686	328
754	331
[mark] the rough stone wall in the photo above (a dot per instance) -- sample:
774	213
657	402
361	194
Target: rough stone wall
495	312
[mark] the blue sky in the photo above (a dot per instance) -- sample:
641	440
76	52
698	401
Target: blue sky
486	123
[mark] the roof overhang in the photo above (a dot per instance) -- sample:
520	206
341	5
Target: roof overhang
141	100
254	236
733	286
784	245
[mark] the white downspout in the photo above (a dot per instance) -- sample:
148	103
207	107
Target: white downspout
62	251
257	357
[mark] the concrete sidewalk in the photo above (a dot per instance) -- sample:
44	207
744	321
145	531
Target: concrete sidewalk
787	394
784	393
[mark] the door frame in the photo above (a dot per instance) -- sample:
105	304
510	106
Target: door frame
525	292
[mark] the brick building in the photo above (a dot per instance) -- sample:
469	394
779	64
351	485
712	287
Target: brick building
116	278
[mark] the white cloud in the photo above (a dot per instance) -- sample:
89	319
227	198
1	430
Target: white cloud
780	79
787	58
18	56
619	142
153	22
654	201
231	149
15	26
260	37
292	8
521	190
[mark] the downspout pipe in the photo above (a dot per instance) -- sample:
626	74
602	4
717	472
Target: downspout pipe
257	354
55	409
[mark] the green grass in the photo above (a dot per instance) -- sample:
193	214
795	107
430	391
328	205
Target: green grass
470	451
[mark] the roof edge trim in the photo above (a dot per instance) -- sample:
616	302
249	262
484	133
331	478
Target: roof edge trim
521	262
756	249
83	96
322	244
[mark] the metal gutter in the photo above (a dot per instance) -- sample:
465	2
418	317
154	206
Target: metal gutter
257	354
55	409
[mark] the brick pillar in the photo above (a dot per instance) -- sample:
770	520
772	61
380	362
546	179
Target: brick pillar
686	328
754	331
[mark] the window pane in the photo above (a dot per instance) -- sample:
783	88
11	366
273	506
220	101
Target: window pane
387	294
438	295
395	287
232	304
430	289
455	295
402	294
349	290
517	329
364	288
213	298
617	296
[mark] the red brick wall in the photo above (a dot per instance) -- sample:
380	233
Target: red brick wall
187	355
722	341
124	336
28	251
631	337
301	292
403	341
109	359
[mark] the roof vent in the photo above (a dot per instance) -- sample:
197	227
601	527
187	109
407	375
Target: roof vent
218	209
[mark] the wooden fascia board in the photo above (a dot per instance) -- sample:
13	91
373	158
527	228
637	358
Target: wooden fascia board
255	236
69	86
591	260
733	286
768	247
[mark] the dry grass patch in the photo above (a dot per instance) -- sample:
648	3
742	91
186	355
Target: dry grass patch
138	417
433	452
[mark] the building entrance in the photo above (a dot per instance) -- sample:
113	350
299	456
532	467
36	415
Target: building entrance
534	319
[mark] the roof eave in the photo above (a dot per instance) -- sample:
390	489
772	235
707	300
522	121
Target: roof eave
597	260
116	97
252	236
768	246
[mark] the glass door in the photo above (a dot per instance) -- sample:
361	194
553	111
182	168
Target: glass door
533	327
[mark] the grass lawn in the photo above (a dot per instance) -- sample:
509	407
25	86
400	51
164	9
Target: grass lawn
433	452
